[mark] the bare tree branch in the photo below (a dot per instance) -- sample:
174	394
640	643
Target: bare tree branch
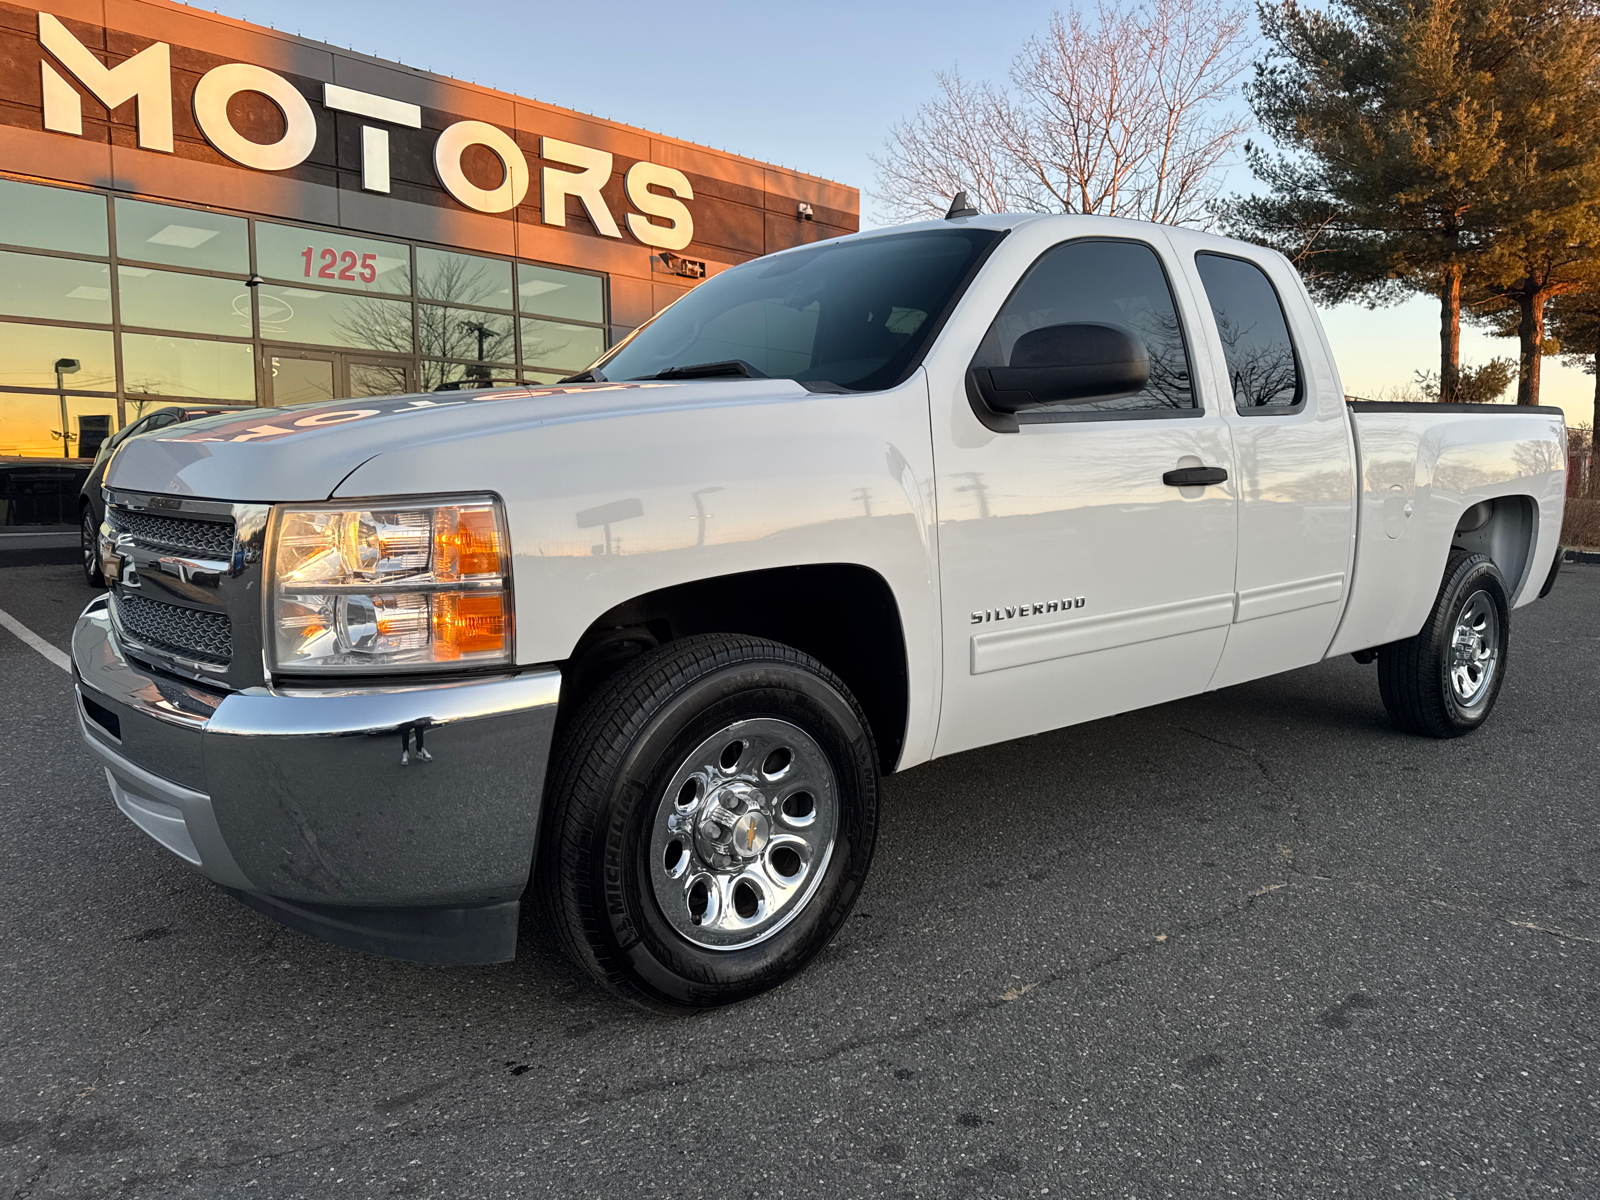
1115	115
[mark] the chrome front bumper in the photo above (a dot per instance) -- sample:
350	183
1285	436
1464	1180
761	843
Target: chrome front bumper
400	820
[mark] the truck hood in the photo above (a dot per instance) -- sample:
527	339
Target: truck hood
302	452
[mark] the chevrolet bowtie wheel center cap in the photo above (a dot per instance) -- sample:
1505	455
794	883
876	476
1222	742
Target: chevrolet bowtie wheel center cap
743	833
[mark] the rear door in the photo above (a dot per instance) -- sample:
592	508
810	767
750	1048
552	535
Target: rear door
1076	582
1296	463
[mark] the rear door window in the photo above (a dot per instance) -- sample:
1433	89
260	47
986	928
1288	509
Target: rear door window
1263	369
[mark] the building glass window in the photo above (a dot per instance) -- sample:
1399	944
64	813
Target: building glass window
331	319
188	303
465	334
341	315
559	346
186	367
463	279
182	237
30	427
547	292
436	375
58	289
334	260
28	354
51	218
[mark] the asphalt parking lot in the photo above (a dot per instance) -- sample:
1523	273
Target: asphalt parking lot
1255	943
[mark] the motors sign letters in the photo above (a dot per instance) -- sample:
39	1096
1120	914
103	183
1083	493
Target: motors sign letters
657	192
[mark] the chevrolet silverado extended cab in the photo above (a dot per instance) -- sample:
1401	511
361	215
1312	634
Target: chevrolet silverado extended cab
640	645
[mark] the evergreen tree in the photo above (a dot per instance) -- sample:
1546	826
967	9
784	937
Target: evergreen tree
1544	225
1574	323
1393	111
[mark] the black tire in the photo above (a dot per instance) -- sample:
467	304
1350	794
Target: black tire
88	543
1415	676
607	796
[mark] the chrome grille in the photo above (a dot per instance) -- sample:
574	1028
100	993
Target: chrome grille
213	539
191	632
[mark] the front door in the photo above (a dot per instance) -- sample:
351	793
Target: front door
299	376
1076	583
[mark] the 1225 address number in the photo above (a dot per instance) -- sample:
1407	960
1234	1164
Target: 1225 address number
331	264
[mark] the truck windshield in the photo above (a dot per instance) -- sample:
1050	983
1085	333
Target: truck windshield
855	315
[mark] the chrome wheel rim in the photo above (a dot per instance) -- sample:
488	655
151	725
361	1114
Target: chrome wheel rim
1475	649
743	834
88	536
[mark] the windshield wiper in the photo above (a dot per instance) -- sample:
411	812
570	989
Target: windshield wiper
733	368
589	376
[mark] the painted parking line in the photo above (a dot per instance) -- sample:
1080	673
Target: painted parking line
34	640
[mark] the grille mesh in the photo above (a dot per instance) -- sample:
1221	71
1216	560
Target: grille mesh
214	539
188	631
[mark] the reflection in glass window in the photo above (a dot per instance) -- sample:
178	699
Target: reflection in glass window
547	292
329	319
299	380
379	378
170	366
1255	336
191	303
1120	284
30	427
437	375
462	333
463	279
543	377
183	237
60	289
51	218
28	354
334	260
569	348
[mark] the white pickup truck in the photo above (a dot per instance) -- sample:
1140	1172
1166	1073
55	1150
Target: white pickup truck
836	512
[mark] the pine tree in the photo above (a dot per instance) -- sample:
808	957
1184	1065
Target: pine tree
1544	225
1574	323
1392	108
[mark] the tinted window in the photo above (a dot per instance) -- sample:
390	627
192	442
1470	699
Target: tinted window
191	303
329	319
334	260
551	293
52	218
184	237
1120	284
169	366
1255	335
856	314
463	278
65	289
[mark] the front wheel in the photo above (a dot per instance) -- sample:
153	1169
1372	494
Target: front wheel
89	543
713	813
1444	681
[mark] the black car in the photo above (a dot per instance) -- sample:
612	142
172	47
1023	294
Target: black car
92	506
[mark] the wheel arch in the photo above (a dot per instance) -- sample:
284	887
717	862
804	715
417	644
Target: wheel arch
843	614
1503	528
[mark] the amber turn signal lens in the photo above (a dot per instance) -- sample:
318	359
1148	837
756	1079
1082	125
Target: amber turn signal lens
468	623
466	542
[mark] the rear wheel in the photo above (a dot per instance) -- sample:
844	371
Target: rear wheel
713	813
89	543
1444	681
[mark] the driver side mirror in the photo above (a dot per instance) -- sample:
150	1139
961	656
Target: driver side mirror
1064	364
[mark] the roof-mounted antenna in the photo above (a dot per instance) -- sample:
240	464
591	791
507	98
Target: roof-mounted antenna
960	207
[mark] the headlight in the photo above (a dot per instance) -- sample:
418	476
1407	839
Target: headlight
393	585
